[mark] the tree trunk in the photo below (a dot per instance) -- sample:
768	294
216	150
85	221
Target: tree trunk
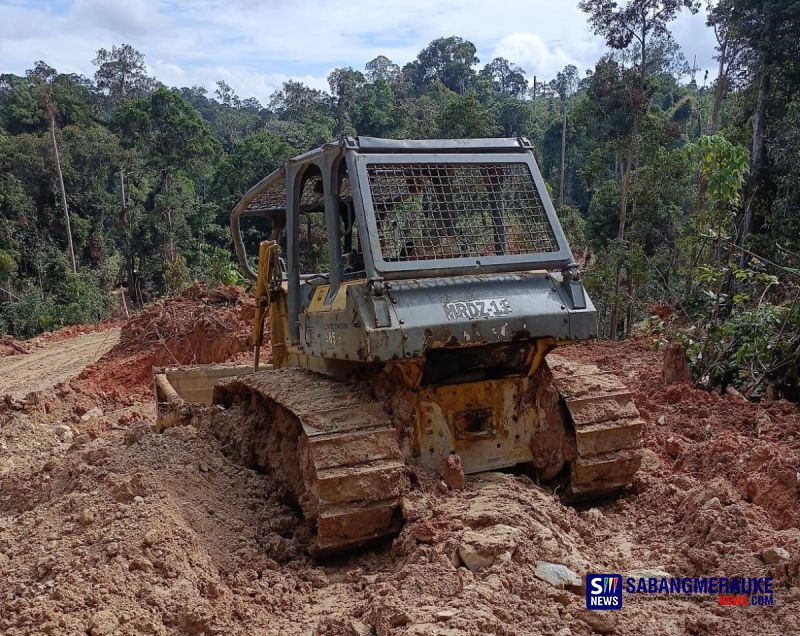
765	66
632	150
63	191
563	154
623	213
759	125
757	156
341	118
643	69
130	265
719	89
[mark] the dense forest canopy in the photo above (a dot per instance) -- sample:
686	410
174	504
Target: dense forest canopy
674	189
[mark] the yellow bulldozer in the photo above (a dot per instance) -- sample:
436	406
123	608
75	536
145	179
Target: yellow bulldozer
414	292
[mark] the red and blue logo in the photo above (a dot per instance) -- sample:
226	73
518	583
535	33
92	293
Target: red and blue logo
603	591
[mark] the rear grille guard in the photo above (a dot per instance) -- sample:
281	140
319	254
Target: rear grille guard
441	211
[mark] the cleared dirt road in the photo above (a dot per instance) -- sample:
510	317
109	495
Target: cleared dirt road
41	369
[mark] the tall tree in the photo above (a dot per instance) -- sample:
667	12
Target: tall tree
767	31
565	85
226	95
344	83
730	60
508	79
43	76
634	23
448	60
180	149
121	73
381	68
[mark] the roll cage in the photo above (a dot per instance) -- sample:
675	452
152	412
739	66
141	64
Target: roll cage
405	209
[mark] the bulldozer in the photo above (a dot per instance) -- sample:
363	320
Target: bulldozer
414	291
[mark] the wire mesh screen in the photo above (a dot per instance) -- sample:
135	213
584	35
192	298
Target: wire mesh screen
274	197
434	211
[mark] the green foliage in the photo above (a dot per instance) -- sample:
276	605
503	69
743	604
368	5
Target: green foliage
176	275
185	157
83	298
8	265
121	73
77	299
445	60
599	275
752	349
216	266
467	117
507	79
723	165
574	226
31	314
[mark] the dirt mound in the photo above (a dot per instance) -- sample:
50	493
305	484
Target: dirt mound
145	534
199	326
11	347
70	331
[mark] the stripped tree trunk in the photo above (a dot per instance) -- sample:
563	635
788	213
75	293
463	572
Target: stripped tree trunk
63	190
623	213
563	153
720	88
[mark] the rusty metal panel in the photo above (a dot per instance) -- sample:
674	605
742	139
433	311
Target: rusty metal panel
482	309
486	423
474	424
412	317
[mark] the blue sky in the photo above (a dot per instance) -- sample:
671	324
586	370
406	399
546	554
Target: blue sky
256	45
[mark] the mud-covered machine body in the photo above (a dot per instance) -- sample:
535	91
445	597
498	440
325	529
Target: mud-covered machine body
445	281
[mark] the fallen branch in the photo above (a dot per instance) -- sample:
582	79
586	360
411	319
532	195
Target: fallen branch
10	293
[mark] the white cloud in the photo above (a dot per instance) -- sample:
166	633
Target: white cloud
531	53
129	18
255	45
246	83
697	42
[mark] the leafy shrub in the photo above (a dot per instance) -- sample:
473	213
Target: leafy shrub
33	313
749	335
215	266
83	299
574	227
8	265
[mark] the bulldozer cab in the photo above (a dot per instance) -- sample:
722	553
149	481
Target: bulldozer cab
436	276
380	211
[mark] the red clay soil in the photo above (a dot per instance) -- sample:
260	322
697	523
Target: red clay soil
701	433
11	347
116	529
199	326
70	331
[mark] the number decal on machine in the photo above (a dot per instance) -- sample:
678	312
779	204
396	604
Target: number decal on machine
330	337
473	309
